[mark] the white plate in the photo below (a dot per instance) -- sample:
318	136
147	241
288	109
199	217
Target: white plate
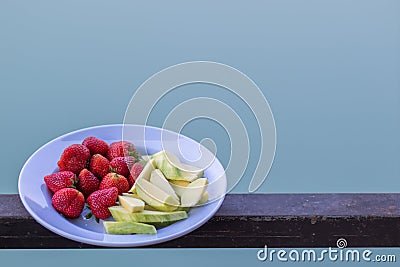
37	198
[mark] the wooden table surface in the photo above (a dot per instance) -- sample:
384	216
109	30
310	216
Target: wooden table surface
250	221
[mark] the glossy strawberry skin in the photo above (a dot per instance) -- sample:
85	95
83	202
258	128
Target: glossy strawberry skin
95	145
74	158
100	200
115	180
137	168
60	180
87	182
119	166
121	149
99	166
69	202
130	160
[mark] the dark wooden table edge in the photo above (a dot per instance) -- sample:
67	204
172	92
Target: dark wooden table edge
250	221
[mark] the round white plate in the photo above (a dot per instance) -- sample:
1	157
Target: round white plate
37	198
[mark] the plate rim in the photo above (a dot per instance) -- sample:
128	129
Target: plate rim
218	202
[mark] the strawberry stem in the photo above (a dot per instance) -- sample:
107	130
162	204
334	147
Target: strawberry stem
134	154
89	215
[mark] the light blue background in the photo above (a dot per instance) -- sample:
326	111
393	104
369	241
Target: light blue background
169	257
329	69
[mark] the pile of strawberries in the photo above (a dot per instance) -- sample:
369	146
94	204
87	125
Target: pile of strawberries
93	171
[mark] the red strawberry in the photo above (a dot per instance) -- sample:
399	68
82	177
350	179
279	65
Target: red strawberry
95	145
99	166
122	149
100	200
137	168
60	180
69	202
115	180
130	160
122	165
74	158
87	183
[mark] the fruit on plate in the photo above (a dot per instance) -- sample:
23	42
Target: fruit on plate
115	180
99	202
60	180
74	158
145	173
119	166
136	170
147	170
158	179
87	182
134	195
146	216
180	183
131	195
145	158
194	192
173	169
204	198
179	186
122	165
161	188
155	197
131	204
122	149
99	166
127	228
95	145
69	202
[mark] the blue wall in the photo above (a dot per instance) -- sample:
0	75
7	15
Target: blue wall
329	69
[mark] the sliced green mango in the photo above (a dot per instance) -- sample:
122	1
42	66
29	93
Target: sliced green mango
127	228
155	197
131	204
192	194
157	178
204	198
173	169
145	174
146	216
